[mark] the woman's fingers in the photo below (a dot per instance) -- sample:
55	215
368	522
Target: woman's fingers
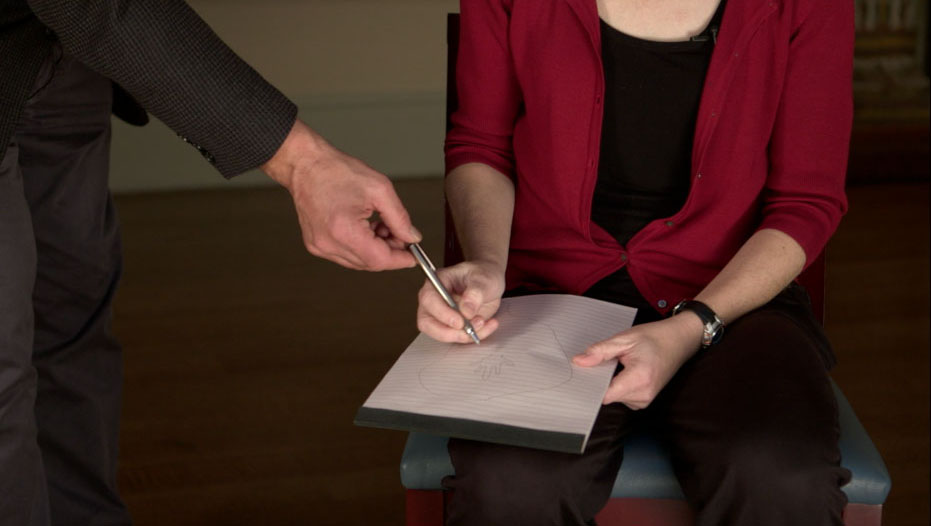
470	290
434	306
626	388
483	328
441	332
477	295
587	359
472	299
603	351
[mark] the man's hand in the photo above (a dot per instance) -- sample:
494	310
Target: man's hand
337	197
651	354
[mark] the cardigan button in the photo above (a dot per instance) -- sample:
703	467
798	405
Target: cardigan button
698	175
670	223
624	257
661	304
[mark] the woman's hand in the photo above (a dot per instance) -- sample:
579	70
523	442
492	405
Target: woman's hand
651	354
477	288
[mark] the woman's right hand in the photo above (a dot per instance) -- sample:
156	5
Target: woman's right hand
477	288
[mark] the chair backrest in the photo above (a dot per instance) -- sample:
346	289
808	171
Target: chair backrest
812	278
452	253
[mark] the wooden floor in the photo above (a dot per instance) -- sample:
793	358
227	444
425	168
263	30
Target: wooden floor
246	358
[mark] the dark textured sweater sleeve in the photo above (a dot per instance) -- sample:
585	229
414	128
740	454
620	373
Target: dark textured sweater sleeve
167	57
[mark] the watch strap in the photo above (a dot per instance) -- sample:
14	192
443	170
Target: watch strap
714	327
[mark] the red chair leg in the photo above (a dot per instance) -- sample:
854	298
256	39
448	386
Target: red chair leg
424	507
659	512
646	512
863	515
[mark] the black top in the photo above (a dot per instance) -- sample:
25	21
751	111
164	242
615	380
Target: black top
652	92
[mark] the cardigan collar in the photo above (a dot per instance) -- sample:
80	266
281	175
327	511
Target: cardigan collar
737	13
742	18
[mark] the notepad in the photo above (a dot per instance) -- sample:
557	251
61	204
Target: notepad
518	387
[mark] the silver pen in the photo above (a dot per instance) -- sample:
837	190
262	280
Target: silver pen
430	270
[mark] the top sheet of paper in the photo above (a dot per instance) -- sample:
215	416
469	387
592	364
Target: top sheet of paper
522	375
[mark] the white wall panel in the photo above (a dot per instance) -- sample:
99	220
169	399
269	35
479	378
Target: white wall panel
368	74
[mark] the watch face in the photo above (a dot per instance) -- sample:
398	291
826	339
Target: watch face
717	334
713	333
713	327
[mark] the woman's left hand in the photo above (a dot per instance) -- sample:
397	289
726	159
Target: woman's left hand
651	354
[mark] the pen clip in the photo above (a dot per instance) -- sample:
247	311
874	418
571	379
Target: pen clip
420	254
430	270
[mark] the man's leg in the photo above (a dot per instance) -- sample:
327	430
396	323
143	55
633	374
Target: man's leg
753	423
23	498
64	143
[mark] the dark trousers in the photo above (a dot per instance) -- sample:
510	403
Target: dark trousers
60	368
751	424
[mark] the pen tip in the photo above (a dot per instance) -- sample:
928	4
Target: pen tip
471	332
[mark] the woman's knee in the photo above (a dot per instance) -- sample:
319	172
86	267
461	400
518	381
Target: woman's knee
771	478
513	486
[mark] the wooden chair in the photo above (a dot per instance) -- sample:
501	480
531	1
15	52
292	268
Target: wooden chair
646	492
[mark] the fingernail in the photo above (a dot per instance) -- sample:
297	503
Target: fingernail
416	233
478	324
582	358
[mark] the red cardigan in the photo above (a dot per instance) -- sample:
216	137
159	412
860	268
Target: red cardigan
770	145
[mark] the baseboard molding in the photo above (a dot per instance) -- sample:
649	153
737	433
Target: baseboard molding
400	135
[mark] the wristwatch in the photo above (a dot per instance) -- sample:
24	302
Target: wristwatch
714	327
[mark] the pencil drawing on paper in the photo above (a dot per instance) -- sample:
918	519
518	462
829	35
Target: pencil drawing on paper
510	363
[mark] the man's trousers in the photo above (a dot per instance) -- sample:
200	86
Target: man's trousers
60	368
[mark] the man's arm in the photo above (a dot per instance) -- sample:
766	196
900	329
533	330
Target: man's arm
335	196
162	53
166	56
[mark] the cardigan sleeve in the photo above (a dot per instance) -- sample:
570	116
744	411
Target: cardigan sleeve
804	192
162	53
488	92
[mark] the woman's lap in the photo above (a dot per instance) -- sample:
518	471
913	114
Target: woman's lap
498	484
751	423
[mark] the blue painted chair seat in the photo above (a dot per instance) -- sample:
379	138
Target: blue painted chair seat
647	471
